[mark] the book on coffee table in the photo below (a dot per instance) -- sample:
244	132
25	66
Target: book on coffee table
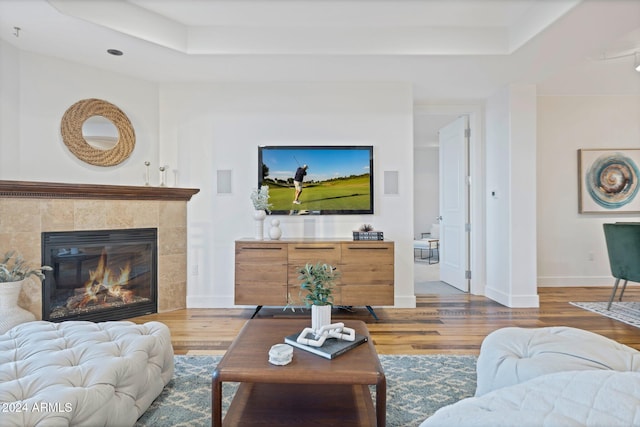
330	349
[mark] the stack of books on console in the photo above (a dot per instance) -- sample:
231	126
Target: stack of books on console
330	349
368	235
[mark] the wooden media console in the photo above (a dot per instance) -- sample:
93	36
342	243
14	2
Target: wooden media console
266	271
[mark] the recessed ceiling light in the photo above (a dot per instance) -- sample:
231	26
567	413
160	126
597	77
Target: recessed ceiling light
115	52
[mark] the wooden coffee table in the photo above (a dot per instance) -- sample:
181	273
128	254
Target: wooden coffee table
311	390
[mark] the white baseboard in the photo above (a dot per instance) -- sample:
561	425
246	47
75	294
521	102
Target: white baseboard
569	281
408	301
512	301
206	301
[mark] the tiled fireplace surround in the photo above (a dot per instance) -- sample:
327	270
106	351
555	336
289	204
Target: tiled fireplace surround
29	208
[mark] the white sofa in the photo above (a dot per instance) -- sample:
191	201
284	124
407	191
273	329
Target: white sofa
555	376
82	373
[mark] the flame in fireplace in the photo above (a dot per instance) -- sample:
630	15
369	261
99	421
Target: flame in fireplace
103	286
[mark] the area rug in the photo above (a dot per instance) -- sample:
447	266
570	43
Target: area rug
627	312
416	387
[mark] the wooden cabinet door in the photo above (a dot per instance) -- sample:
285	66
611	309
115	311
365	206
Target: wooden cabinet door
261	273
303	253
266	273
367	273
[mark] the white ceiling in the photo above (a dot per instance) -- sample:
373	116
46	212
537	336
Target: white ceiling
444	49
321	27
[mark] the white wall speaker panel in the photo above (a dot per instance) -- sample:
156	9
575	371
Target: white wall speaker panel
390	182
224	181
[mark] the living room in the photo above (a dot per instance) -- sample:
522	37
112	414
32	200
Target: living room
198	128
529	119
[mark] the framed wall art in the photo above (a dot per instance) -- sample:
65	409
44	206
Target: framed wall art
608	180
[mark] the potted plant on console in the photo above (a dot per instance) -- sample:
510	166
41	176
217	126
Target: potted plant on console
261	206
316	289
14	270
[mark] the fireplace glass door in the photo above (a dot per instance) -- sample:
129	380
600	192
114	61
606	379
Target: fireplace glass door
99	275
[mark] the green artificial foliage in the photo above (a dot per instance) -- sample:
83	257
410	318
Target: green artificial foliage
14	268
260	199
316	285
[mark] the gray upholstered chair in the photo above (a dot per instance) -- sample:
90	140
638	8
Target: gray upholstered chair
623	246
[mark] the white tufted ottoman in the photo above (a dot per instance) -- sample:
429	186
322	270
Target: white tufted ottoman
514	355
588	398
82	373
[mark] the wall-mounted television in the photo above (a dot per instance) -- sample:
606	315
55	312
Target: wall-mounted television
338	179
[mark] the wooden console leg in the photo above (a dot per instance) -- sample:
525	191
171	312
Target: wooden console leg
373	313
256	312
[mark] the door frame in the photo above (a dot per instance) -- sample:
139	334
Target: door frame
477	252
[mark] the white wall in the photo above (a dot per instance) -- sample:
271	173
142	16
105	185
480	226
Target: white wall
39	90
426	189
511	202
571	246
211	127
498	188
9	110
197	129
207	127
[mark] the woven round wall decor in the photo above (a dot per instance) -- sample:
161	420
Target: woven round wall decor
71	129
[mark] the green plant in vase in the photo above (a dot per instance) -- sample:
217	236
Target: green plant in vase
316	291
13	268
317	282
13	272
260	199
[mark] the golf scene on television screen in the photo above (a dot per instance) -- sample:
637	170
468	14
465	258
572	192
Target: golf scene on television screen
317	179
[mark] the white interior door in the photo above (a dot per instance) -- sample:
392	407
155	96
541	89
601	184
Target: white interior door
454	205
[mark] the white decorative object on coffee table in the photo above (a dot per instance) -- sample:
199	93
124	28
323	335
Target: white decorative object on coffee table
320	317
335	330
281	354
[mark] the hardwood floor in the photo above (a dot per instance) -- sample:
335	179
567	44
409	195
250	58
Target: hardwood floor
451	324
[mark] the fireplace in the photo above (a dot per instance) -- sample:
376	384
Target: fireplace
99	275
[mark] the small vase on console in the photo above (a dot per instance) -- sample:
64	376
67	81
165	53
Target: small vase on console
275	232
259	216
261	205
